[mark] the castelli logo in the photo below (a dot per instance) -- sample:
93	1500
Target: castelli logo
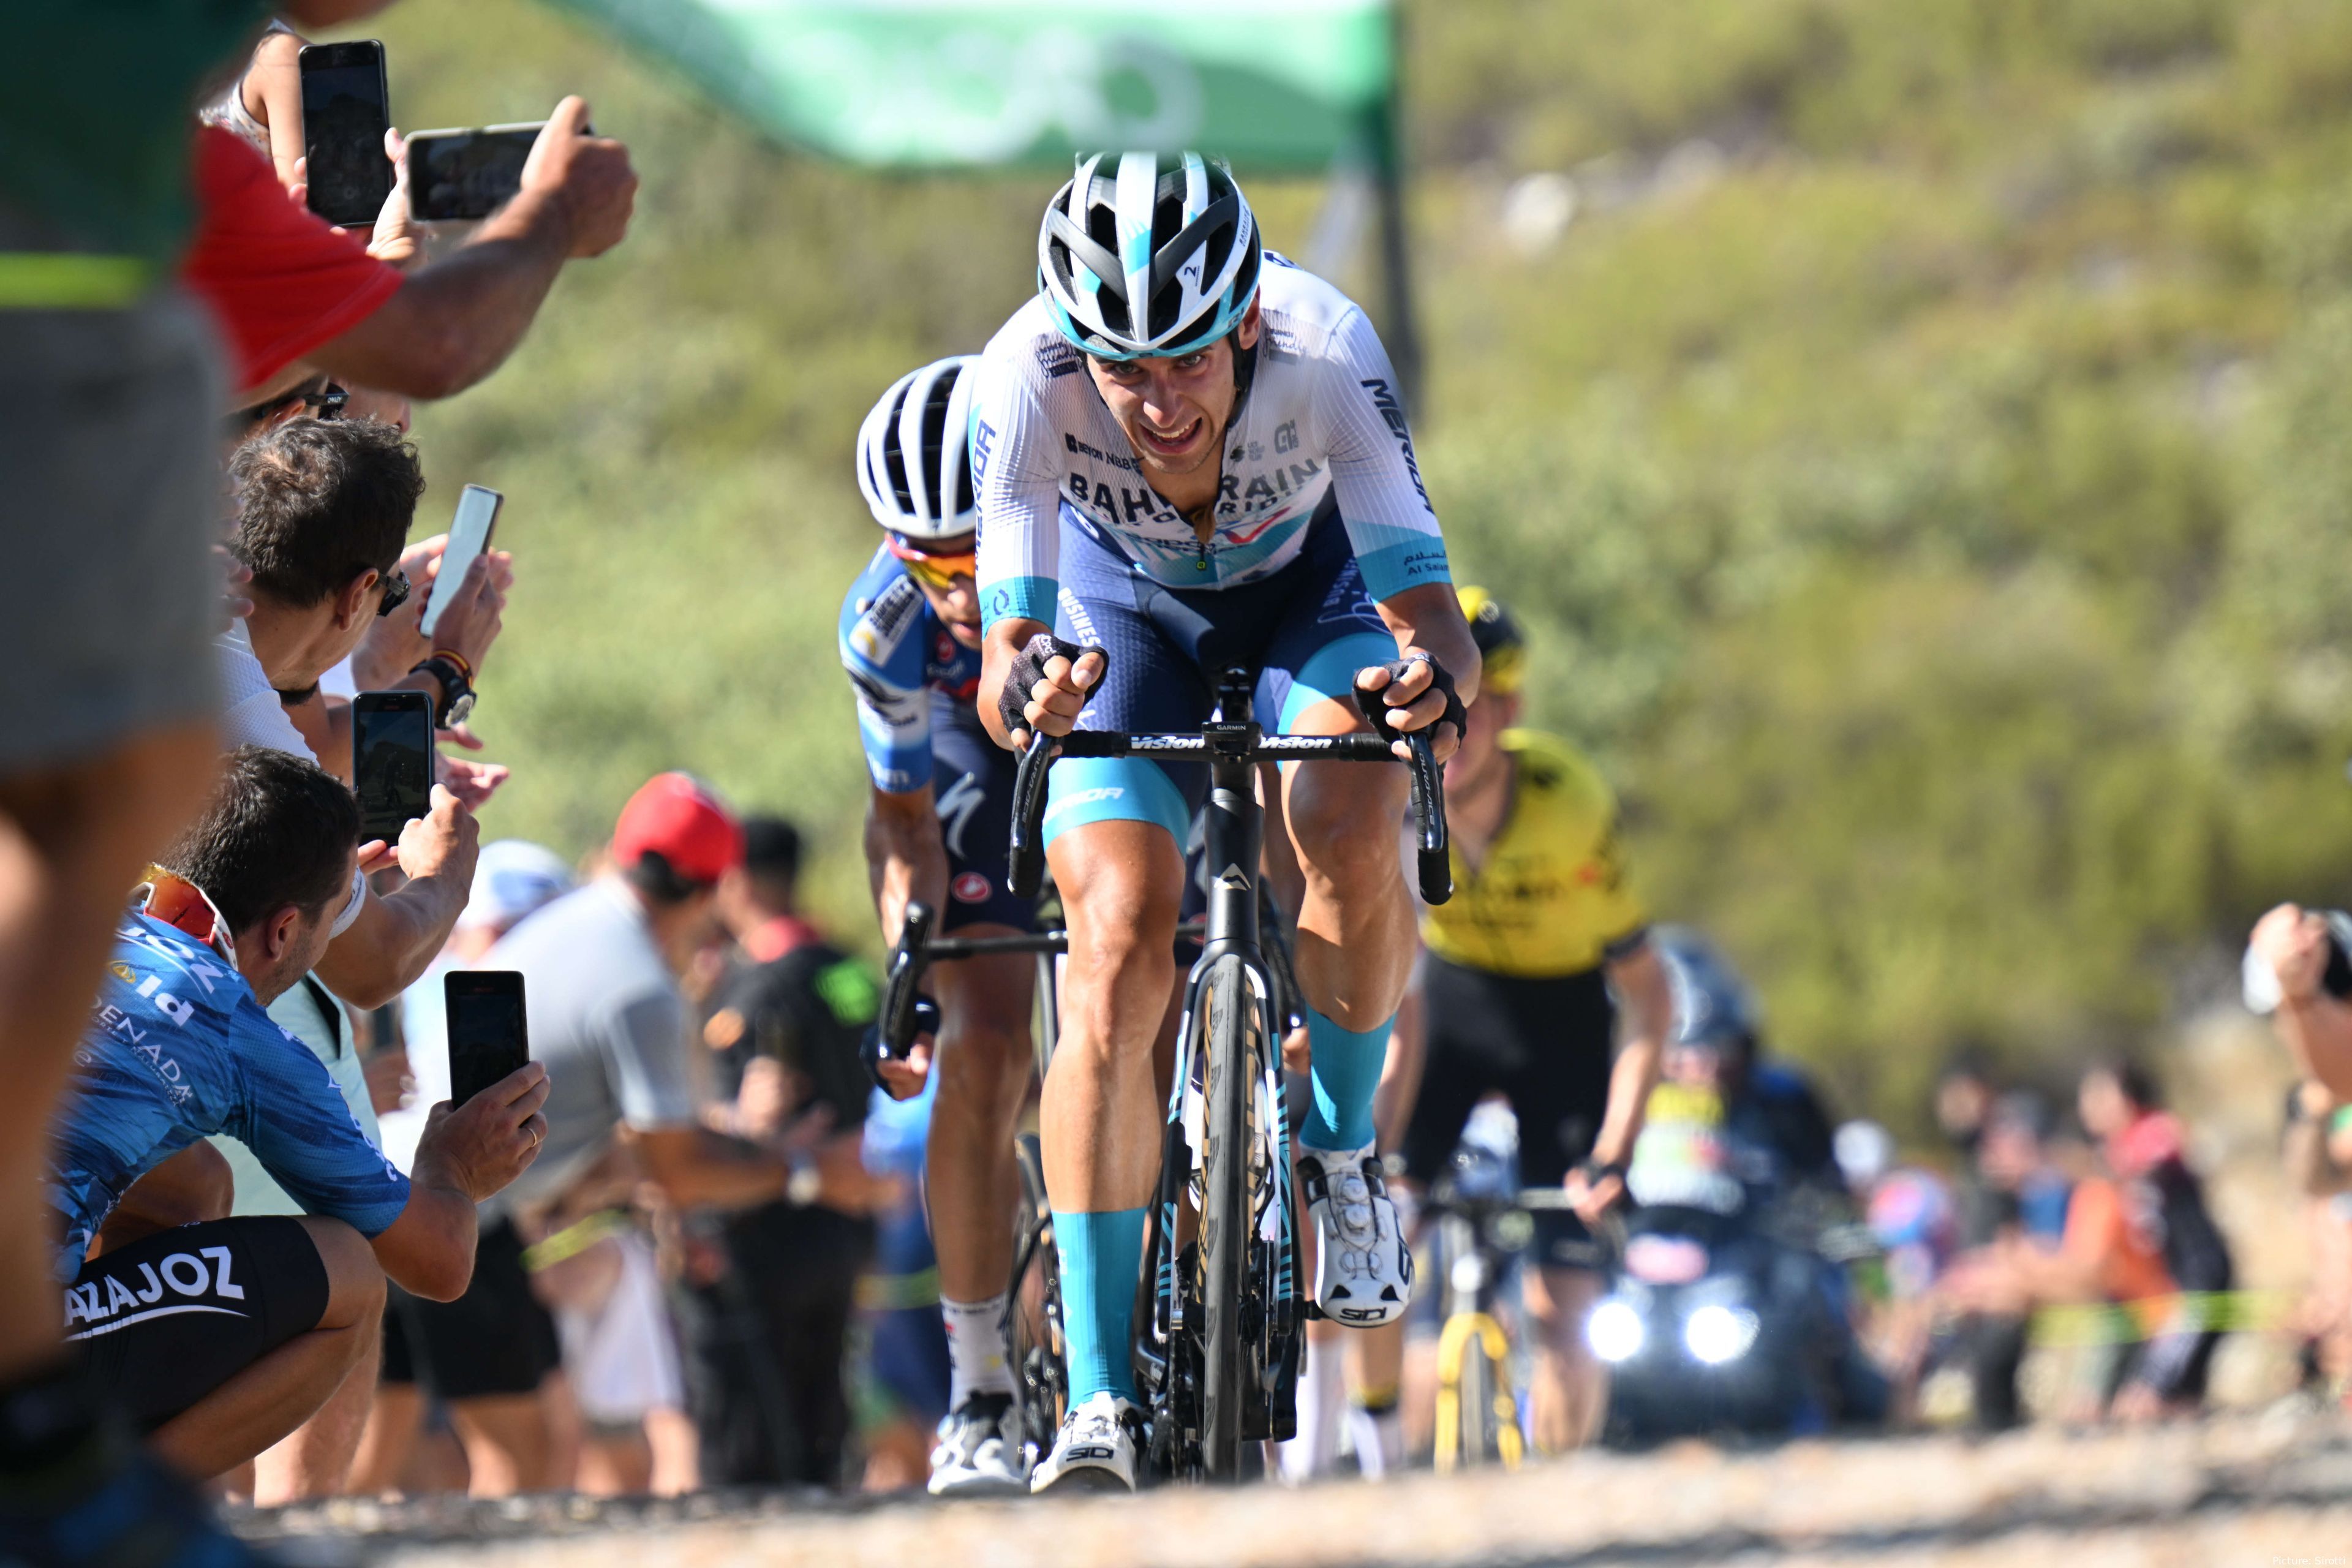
972	887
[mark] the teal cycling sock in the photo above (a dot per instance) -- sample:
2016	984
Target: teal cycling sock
1345	1069
1101	1254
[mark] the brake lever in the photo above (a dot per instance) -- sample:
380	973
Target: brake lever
1024	855
1433	857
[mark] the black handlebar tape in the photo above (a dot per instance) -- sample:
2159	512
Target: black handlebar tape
1025	858
1433	857
899	1026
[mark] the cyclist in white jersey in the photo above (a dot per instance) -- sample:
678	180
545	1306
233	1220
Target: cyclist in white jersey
1190	454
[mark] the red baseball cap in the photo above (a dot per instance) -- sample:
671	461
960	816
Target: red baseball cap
677	818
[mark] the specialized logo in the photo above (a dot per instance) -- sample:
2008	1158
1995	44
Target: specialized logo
971	888
1392	412
955	808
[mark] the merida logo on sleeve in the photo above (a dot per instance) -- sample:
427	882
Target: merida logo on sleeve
1392	413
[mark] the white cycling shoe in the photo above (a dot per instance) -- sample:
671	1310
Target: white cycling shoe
979	1450
1363	1270
1095	1450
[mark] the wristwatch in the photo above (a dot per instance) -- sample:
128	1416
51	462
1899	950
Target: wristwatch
456	689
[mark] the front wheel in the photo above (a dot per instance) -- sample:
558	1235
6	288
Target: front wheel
1231	1033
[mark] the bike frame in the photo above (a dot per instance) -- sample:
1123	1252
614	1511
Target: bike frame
1221	1349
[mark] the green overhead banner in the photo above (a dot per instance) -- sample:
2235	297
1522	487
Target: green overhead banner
934	84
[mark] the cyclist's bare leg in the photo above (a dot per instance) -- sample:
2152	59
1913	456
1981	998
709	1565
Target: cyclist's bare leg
1355	945
982	1058
1121	885
275	1393
1571	1387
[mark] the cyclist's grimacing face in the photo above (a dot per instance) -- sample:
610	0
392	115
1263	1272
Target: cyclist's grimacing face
1173	409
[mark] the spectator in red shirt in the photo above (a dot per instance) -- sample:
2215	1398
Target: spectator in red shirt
294	295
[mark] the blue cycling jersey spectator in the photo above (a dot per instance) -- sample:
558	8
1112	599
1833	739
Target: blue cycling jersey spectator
221	1335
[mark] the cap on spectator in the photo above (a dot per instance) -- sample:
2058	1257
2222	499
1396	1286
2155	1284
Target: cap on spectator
674	817
513	878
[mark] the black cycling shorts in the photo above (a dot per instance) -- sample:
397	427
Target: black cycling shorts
1544	1045
170	1317
495	1338
972	790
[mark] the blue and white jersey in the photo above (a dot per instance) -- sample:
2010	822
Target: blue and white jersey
178	1049
1322	418
898	653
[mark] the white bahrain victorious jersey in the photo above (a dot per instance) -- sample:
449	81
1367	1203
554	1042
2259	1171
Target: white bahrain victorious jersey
1322	419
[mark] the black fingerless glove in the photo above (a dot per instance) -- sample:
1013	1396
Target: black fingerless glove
1028	670
1374	705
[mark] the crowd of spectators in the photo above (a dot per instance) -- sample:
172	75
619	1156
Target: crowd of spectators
288	1266
2088	1232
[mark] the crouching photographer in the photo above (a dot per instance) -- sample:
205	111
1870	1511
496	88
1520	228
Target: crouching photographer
220	1336
2297	971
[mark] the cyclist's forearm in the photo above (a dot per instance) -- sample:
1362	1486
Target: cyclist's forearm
1429	617
1630	1079
905	860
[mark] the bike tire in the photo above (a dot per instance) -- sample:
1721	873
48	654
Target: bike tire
1034	1311
1230	1033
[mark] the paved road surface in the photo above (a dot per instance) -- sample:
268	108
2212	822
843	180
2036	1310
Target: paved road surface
2255	1489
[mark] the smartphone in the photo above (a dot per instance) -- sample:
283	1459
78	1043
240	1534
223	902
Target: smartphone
470	535
488	1038
392	761
346	109
456	175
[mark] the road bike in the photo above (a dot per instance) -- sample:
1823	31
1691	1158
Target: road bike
1219	1349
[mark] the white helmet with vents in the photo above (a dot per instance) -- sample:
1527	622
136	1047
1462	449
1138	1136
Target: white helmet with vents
1160	256
913	462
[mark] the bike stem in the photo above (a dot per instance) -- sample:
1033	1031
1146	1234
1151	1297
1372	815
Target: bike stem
1235	823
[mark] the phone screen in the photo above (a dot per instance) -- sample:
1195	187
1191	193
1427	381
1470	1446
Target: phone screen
346	109
470	535
488	1035
467	174
392	761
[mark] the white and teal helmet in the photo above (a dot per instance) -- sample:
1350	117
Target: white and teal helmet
911	452
1161	258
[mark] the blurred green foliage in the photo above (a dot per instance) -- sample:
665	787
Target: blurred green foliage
1925	460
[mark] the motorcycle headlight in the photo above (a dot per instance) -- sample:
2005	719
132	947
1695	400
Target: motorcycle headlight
1614	1332
1716	1334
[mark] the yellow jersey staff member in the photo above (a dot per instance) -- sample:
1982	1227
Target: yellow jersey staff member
1527	968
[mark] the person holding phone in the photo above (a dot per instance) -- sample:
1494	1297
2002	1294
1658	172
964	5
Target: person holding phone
219	1338
294	295
2296	970
313	497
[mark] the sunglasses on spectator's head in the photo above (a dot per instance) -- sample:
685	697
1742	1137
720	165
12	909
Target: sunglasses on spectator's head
321	399
936	569
396	593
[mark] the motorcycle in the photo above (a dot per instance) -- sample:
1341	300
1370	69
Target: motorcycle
1715	1322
